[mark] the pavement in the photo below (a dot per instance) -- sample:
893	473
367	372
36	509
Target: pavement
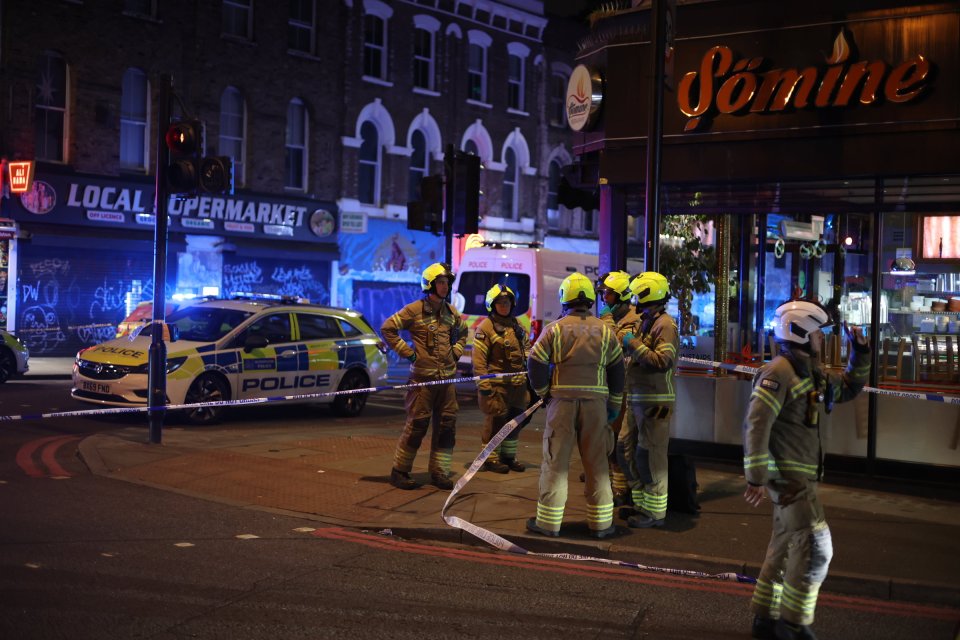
888	544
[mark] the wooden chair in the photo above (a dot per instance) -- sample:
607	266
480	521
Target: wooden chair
935	358
890	368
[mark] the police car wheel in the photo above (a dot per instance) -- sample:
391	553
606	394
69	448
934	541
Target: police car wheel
206	388
351	405
8	365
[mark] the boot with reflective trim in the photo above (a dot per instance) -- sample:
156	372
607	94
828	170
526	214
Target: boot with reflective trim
441	481
641	521
763	628
789	631
402	480
533	527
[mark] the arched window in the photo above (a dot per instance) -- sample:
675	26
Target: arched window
471	147
296	146
134	97
233	126
368	172
553	186
50	108
419	166
511	185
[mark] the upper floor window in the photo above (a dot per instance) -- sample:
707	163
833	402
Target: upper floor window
301	26
134	98
557	108
141	7
238	18
50	109
419	167
296	146
375	16
477	65
233	126
553	186
511	185
368	171
423	59
516	75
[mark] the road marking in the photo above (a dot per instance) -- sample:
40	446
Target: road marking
49	446
183	544
246	536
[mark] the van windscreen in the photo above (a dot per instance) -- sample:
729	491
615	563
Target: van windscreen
475	284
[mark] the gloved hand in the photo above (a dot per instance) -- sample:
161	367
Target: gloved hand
858	341
412	357
605	309
612	414
627	337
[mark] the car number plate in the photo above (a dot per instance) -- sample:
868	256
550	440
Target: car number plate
96	387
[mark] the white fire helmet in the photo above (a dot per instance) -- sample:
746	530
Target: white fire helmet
794	321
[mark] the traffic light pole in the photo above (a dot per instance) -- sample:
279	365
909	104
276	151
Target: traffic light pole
157	363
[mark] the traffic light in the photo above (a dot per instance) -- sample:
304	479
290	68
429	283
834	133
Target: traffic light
188	171
426	214
463	192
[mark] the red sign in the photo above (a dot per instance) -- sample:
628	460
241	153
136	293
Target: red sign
21	175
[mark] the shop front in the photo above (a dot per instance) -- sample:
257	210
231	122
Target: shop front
84	254
807	150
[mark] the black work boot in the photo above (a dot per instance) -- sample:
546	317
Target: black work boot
600	534
515	465
495	466
763	628
789	631
441	481
535	528
402	480
643	521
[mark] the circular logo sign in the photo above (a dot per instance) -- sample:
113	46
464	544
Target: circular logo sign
584	96
322	223
40	199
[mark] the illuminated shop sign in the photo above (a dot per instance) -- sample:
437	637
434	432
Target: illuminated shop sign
727	85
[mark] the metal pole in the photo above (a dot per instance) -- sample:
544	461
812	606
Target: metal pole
875	342
449	161
157	362
654	134
761	283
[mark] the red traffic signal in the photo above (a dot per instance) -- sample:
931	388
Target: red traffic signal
184	147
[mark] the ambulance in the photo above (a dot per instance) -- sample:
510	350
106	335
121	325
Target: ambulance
534	274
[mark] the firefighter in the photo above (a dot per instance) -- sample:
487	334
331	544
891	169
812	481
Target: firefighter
614	289
500	345
577	366
650	393
439	336
783	459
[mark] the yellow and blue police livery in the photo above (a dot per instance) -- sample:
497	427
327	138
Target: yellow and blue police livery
239	349
14	356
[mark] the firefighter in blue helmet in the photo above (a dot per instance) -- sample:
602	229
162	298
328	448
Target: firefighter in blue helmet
439	337
577	365
501	345
783	459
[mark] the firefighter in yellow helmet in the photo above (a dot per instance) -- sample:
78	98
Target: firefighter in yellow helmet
439	336
500	345
614	290
652	348
577	366
783	458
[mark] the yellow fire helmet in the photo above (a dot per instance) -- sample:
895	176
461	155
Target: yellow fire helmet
649	288
616	281
500	291
431	273
577	288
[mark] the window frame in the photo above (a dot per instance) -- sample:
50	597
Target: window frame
296	26
227	141
428	61
422	171
300	146
137	124
513	213
236	9
376	163
60	113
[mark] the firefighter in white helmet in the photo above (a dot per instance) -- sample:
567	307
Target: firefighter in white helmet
439	337
577	365
783	459
614	289
500	345
650	392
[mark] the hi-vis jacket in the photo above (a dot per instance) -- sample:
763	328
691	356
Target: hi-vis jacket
500	345
439	336
781	436
587	359
653	360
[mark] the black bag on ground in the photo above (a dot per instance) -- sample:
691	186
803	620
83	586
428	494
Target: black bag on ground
682	484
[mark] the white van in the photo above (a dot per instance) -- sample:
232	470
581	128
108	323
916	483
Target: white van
533	273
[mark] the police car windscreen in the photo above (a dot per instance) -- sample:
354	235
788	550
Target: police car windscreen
203	324
475	284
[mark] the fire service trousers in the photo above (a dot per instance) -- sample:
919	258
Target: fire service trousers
438	404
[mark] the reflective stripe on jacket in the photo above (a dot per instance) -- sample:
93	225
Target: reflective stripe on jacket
496	349
653	361
439	337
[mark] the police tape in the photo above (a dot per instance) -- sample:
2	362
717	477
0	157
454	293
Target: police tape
501	543
915	395
252	401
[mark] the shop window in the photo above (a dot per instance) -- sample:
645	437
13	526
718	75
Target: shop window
317	327
301	26
418	164
296	146
238	18
368	171
233	126
50	108
511	185
134	100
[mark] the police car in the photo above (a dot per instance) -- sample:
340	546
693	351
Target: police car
14	356
236	349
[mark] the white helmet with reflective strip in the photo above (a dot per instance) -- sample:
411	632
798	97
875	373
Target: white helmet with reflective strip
794	321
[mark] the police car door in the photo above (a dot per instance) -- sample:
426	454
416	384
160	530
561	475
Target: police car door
320	339
269	370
